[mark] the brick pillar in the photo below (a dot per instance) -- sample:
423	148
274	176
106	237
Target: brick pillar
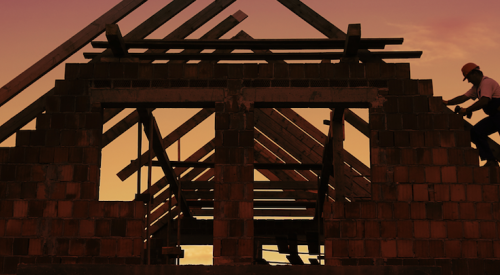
233	203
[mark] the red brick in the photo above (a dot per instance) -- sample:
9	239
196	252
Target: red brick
454	229
469	249
442	192
29	227
481	175
72	190
76	247
140	211
421	229
465	174
405	229
352	210
496	249
103	228
485	249
138	247
438	229
388	229
20	209
125	247
340	248
126	210
420	192
433	174
348	229
483	211
111	209
474	192
449	174
490	193
372	229
457	192
405	248
439	156
388	248
64	209
135	228
65	172
379	174
401	210
13	228
418	210
417	174
368	210
80	209
50	210
488	230
96	209
404	192
471	230
385	211
372	248
87	228
70	228
108	247
401	174
436	248
467	211
35	247
6	247
356	248
453	249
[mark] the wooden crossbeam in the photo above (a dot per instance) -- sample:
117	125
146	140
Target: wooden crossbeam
167	141
119	128
115	40
262	56
295	185
268	166
162	156
324	26
255	44
209	195
264	212
263	155
337	134
141	31
65	50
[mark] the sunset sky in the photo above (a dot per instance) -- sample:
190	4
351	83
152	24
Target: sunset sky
450	34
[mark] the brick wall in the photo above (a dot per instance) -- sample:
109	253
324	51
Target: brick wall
49	190
431	203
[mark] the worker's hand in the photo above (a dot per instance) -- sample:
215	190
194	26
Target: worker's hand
463	111
445	102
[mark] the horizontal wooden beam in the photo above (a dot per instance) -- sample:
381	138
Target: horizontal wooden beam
270	195
314	97
263	204
262	56
295	185
254	44
264	212
271	166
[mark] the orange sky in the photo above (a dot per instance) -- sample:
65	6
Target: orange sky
450	33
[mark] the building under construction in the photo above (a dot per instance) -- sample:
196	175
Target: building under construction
424	206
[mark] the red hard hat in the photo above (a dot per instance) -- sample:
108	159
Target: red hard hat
467	68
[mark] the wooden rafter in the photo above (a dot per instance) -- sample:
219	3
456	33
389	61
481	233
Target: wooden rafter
141	31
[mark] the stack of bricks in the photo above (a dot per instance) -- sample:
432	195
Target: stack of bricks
233	198
431	202
49	182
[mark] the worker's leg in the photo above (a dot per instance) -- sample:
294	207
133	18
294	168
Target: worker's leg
480	132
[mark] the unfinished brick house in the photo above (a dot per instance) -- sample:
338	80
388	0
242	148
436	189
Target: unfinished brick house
424	206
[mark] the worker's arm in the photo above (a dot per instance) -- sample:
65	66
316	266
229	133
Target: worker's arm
457	100
478	105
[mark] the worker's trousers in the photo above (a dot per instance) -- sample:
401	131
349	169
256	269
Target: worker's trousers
480	132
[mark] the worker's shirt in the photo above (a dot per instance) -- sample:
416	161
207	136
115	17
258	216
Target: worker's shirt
490	89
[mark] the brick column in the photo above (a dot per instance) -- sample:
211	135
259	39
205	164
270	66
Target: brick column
233	204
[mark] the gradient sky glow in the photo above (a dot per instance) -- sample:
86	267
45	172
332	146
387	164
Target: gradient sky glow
450	34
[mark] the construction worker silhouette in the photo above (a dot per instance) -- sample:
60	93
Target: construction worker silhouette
487	91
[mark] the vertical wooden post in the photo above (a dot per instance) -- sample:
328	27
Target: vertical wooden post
337	133
150	171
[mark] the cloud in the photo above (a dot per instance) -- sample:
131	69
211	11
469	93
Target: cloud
448	39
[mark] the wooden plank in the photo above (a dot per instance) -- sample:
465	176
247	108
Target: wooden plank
120	128
195	22
268	174
115	39
303	124
357	122
162	156
210	173
263	155
284	204
167	141
148	56
195	195
295	185
322	25
216	33
253	44
66	49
